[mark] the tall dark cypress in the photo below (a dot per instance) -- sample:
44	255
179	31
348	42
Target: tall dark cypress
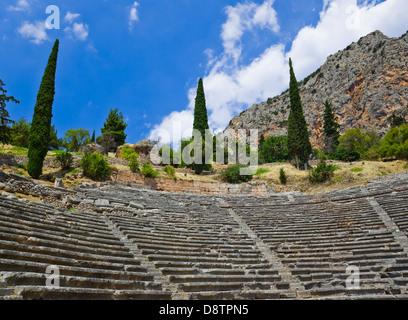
201	123
298	135
200	110
330	128
41	124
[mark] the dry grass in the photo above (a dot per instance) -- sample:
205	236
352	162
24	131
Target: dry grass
348	175
298	180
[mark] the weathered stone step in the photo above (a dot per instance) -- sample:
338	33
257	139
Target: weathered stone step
206	253
58	231
55	260
299	251
143	282
223	278
59	240
33	241
37	293
362	291
242	295
128	272
30	246
198	259
228	286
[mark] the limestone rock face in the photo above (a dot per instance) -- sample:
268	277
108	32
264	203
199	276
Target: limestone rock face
93	148
367	83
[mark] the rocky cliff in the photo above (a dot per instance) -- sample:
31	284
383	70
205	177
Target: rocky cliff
367	83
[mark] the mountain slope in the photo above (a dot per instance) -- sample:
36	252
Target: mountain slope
367	83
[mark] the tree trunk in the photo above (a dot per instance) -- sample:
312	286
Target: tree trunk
297	162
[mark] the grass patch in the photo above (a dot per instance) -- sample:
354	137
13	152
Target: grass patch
355	170
14	151
261	171
383	173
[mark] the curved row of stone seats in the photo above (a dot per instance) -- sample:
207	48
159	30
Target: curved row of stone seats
389	183
320	241
203	253
93	263
396	205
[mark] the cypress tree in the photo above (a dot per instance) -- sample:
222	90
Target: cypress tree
298	135
330	128
5	130
200	122
200	110
93	137
41	124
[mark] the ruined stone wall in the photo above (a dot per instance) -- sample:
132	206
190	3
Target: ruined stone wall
182	186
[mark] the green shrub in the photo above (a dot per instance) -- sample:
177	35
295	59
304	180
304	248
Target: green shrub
134	166
345	155
322	173
395	143
64	159
282	176
22	166
148	170
232	175
129	154
170	172
274	149
95	166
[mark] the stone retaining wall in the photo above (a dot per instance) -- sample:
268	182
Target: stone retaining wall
182	186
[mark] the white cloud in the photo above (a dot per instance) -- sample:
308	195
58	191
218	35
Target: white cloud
35	32
343	22
78	31
70	17
230	88
245	17
133	15
22	5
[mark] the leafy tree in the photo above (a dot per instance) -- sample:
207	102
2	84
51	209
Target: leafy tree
330	128
275	149
41	124
75	139
54	142
395	143
4	115
116	126
364	143
200	123
20	132
107	141
298	136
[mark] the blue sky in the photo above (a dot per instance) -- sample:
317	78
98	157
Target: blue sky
145	57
